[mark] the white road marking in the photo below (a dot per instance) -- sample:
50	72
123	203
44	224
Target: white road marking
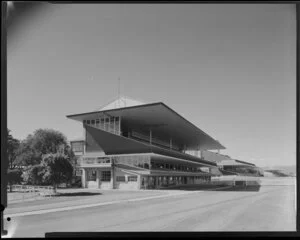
100	204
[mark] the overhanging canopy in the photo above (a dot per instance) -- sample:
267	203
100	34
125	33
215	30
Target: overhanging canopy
115	144
164	123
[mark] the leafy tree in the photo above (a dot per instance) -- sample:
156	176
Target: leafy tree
33	175
13	144
14	176
12	150
42	141
57	169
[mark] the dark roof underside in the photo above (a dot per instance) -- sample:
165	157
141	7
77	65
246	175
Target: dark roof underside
164	122
115	144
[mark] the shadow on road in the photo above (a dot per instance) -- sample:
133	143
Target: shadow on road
240	189
77	194
215	188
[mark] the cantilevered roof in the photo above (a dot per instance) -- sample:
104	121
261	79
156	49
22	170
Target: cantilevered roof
233	162
115	144
164	122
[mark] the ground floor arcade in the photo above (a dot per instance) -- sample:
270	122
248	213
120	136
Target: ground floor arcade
118	178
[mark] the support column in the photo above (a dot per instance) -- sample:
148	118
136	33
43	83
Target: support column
170	143
112	173
114	125
150	136
83	178
119	125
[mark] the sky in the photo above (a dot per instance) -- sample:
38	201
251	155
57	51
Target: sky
230	69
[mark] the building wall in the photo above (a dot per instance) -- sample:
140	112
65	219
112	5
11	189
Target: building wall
127	185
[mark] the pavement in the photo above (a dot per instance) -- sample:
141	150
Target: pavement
270	208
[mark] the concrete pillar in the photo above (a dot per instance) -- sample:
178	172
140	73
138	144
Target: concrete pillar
83	178
98	178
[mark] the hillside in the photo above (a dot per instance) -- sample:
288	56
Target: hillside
280	171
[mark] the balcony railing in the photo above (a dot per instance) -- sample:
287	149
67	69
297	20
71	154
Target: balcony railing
95	160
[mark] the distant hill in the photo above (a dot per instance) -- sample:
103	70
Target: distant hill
281	171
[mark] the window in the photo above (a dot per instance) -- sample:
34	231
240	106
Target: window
91	175
77	146
88	121
105	176
146	165
93	122
120	178
132	178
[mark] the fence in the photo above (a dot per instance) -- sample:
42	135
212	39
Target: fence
232	180
27	192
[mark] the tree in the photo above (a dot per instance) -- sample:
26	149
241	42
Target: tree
13	175
57	169
41	142
12	150
33	175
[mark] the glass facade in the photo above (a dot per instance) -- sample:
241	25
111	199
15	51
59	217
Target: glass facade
178	167
105	176
141	161
109	124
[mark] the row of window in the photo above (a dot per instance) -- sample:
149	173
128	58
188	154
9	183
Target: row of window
136	161
99	160
92	176
110	124
129	178
174	167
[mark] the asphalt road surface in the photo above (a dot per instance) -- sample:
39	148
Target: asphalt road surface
272	208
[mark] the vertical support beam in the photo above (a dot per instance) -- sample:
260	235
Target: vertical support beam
83	178
112	160
119	125
84	137
108	124
114	125
170	143
150	136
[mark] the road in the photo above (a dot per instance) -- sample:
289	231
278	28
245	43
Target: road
272	208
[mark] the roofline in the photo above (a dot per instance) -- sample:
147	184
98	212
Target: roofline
111	110
252	164
147	105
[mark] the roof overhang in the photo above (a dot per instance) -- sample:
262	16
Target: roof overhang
164	123
235	163
115	144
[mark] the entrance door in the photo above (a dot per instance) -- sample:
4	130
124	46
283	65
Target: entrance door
92	178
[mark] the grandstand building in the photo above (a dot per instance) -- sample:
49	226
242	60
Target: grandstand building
128	144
